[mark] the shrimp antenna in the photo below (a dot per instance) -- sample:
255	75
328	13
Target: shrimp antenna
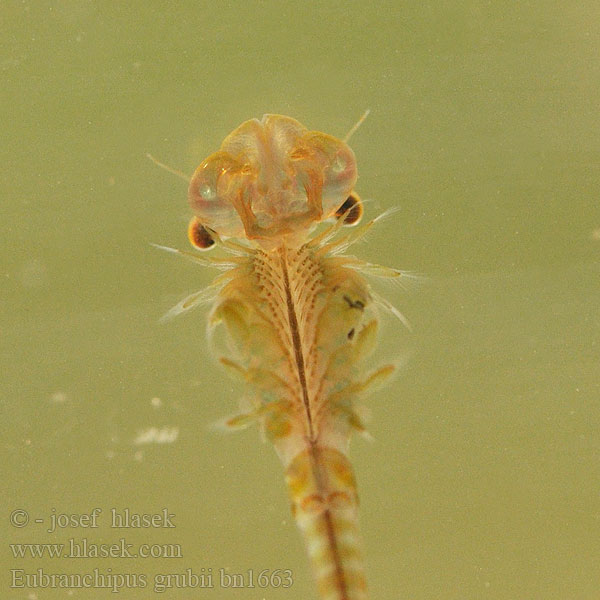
167	168
357	125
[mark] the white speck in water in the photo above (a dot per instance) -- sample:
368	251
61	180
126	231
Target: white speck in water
58	397
33	273
154	435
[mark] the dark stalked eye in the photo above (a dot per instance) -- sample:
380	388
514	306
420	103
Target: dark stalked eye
199	236
351	210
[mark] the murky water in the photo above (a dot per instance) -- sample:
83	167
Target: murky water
483	478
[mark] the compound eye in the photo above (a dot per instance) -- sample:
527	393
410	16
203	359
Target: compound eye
351	210
199	236
212	192
333	163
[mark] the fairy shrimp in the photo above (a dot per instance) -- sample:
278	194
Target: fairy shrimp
278	200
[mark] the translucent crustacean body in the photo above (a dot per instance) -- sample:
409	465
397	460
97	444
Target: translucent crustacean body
298	315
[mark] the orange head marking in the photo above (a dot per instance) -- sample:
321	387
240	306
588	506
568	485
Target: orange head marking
270	178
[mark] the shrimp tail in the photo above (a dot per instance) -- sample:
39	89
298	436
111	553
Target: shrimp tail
325	505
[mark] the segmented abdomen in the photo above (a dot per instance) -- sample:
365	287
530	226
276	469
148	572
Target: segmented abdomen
324	503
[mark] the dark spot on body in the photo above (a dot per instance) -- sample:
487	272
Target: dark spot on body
358	304
351	334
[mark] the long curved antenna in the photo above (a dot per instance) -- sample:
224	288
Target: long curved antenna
357	125
167	168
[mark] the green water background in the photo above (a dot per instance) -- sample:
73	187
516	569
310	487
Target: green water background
483	480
